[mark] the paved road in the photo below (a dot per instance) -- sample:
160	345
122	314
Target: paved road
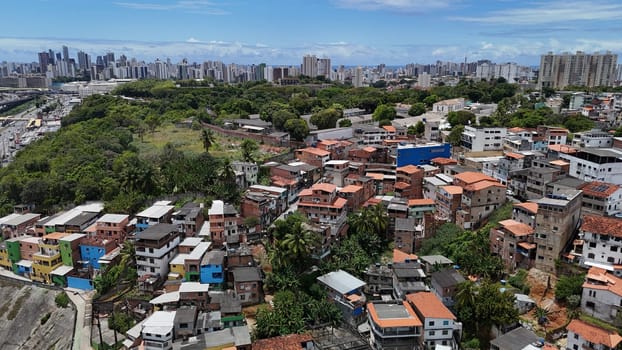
82	331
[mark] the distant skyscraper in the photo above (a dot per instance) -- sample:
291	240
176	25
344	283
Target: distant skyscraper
66	53
309	66
357	79
109	58
44	59
559	71
324	68
58	57
84	60
51	56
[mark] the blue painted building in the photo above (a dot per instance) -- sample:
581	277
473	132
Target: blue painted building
92	254
421	154
79	283
212	267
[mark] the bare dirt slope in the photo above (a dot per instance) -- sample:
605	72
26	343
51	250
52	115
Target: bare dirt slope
545	298
21	310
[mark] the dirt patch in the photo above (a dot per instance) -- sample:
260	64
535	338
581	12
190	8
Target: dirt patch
542	291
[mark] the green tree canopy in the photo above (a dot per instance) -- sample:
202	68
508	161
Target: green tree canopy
417	109
384	112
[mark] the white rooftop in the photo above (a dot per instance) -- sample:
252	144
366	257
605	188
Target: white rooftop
61	219
62	270
337	162
218	208
191	241
113	218
269	188
72	237
204	231
34	240
26	263
160	322
199	250
165	298
179	259
193	287
341	281
4	220
434	181
155	211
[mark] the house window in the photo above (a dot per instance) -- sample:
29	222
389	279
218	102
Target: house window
445	332
431	323
431	333
589	304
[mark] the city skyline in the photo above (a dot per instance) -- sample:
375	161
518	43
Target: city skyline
350	32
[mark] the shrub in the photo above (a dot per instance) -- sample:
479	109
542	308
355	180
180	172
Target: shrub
45	318
62	300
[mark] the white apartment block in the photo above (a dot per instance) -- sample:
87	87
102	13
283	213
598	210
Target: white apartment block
447	106
155	248
602	245
592	139
477	139
595	164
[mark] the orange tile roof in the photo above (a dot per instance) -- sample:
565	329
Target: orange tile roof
282	182
369	149
517	228
375	176
315	151
602	225
408	169
338	203
56	235
529	206
284	342
599	189
452	189
326	187
470	177
410	321
594	334
401	185
92	228
481	185
526	245
351	189
328	142
389	128
372	202
400	257
562	149
425	201
429	305
443	161
514	155
516	129
305	192
559	162
609	282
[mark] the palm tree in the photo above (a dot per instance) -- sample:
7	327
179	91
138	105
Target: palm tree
207	138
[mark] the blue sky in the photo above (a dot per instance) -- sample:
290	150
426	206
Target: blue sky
351	32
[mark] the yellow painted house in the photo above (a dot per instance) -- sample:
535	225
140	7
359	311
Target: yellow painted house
176	267
48	258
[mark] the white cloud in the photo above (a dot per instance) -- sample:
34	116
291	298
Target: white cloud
193	40
189	6
539	13
409	6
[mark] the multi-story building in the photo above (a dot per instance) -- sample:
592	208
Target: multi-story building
448	200
371	135
338	148
224	222
314	156
580	69
602	294
525	213
212	267
155	248
556	222
113	227
92	249
322	204
432	131
345	291
159	213
336	171
247	173
440	326
548	136
408	182
481	195
247	284
592	139
15	225
479	139
48	258
157	330
512	241
602	241
412	154
393	325
595	164
189	219
583	335
601	198
187	265
265	203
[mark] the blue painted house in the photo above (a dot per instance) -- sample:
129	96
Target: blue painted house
212	267
92	254
421	154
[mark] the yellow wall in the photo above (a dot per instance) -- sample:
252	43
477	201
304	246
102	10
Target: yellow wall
178	269
4	259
